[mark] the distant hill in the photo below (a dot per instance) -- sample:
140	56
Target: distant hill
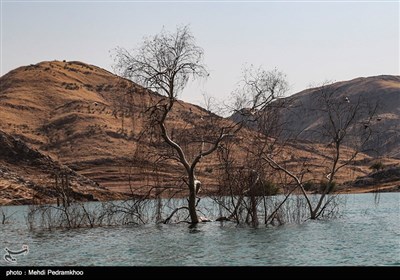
303	121
384	91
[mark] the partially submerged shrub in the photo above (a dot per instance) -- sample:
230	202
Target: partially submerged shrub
327	185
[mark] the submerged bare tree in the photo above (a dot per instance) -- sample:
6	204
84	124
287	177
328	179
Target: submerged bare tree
4	215
67	213
259	105
340	128
165	63
246	183
70	211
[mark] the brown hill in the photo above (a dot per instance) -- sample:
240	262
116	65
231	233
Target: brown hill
93	122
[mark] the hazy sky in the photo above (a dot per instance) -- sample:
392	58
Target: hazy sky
310	41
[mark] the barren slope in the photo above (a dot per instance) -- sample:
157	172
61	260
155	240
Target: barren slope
303	120
27	176
90	120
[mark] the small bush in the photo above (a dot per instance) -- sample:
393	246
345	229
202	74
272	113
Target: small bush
71	86
265	188
100	87
324	185
208	170
377	166
309	186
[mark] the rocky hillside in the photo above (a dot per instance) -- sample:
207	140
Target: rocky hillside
26	176
387	179
303	120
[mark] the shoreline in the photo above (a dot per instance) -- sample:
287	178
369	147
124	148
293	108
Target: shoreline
348	190
371	189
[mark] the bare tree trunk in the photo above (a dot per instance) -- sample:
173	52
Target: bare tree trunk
254	214
192	207
192	200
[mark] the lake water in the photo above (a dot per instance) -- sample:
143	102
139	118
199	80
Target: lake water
366	234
